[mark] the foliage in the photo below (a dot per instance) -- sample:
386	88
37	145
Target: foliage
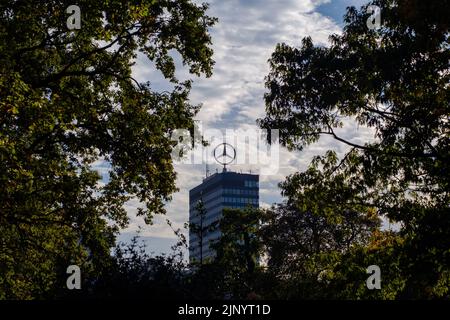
67	101
200	229
238	251
393	80
134	274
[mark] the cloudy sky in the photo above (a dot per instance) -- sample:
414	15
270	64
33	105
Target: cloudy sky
243	40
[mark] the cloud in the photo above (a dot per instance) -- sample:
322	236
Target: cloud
243	41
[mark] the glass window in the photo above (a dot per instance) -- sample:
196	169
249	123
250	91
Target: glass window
251	184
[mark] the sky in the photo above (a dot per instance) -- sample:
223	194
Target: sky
243	40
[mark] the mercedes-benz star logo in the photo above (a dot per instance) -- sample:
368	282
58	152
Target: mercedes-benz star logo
224	156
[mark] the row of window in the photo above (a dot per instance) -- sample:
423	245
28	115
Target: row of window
240	200
235	206
216	193
251	183
240	191
207	240
208	196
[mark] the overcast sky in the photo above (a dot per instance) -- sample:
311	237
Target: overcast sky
243	40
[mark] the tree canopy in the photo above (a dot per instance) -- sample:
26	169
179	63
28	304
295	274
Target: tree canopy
68	100
393	80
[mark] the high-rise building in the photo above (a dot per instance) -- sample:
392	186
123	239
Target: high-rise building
218	191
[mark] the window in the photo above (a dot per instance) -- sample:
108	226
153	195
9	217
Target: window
250	184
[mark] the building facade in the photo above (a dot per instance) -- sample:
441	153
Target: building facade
218	191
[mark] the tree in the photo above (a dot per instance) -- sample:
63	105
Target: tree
68	99
134	274
238	251
200	229
306	235
394	80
